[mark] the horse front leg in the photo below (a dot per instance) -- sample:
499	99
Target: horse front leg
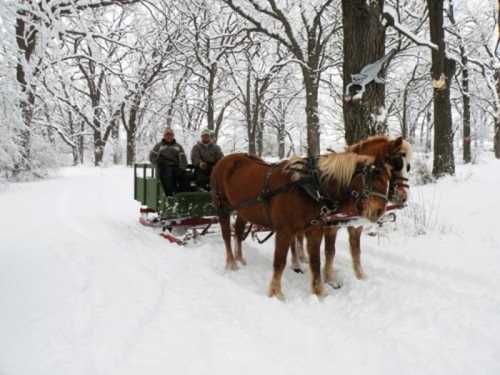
300	248
355	246
239	232
329	274
295	256
314	236
282	243
225	225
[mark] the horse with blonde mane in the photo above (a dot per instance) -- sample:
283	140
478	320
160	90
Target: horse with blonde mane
399	161
296	196
398	194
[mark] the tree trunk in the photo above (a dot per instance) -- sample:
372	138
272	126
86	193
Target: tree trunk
131	147
442	71
132	128
26	37
260	130
364	43
81	145
496	130
496	136
115	136
467	152
252	148
428	132
466	132
496	139
312	119
404	121
210	97
281	141
98	148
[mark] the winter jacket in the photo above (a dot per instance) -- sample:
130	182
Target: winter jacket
170	154
209	153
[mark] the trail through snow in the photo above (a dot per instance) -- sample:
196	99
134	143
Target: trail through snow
84	289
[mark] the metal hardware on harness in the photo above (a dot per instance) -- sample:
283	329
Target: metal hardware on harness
389	217
324	213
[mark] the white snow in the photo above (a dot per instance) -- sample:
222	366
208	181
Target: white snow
84	289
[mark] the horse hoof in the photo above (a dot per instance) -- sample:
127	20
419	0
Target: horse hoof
360	275
280	296
335	284
297	270
232	266
242	261
276	292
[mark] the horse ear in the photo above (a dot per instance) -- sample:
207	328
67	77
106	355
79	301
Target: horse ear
396	145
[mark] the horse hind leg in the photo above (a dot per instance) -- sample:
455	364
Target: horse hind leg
225	224
300	248
329	274
239	232
355	246
282	243
295	256
314	237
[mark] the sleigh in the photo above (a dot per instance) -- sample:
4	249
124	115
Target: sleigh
182	217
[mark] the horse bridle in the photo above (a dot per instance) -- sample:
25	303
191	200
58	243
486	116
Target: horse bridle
368	173
330	205
396	161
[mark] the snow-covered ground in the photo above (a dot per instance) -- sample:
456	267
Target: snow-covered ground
84	289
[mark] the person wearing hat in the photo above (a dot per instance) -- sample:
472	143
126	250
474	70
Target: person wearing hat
170	161
204	155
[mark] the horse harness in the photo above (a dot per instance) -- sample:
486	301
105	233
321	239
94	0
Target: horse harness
310	183
396	161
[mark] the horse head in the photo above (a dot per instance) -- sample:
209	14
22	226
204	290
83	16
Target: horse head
360	182
399	158
397	155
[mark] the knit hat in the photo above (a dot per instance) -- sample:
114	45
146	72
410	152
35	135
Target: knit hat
206	131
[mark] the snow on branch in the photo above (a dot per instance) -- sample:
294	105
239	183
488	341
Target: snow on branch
390	18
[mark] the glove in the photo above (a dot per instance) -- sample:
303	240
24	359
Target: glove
202	165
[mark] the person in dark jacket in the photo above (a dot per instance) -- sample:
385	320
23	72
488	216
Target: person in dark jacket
170	160
204	155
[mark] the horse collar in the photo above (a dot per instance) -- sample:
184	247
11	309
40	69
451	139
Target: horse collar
314	189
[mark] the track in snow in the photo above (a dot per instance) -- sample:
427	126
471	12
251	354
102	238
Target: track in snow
86	290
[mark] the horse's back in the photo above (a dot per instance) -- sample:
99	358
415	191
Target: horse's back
239	176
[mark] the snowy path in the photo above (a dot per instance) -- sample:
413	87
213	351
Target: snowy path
86	290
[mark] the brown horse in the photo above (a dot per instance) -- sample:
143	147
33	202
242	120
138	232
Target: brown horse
398	155
295	196
398	194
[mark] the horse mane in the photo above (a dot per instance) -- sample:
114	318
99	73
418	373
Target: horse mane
375	139
338	167
341	167
358	147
